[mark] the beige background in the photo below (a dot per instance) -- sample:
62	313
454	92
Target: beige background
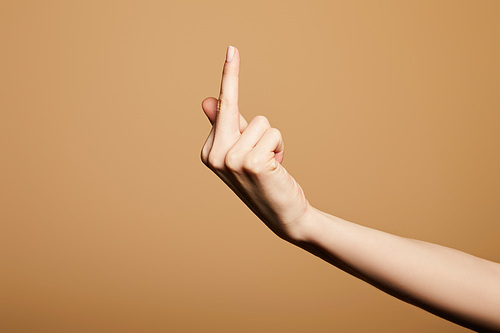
110	222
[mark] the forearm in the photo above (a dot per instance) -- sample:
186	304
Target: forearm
450	283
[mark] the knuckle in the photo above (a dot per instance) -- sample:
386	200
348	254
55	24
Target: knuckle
230	71
223	100
262	121
215	162
275	132
223	103
204	156
233	161
252	164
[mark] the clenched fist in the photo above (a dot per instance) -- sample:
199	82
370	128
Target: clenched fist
248	156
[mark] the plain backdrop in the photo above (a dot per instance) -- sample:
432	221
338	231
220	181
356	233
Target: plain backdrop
109	221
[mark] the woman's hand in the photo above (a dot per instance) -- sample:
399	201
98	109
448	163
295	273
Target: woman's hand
248	156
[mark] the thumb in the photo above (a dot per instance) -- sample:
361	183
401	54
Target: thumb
209	106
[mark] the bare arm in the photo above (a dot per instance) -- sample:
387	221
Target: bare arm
248	158
449	283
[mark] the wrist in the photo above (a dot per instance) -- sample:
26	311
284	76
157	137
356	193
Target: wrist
306	227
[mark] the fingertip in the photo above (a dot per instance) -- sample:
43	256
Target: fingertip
232	54
236	54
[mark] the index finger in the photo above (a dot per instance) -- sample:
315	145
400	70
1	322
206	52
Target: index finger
228	117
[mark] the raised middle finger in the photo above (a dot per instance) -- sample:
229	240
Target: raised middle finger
228	116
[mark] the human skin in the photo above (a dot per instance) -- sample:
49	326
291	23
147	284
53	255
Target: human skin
247	156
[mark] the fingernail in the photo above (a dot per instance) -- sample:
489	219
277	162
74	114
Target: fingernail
229	53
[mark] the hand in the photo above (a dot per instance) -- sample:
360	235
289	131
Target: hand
248	156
